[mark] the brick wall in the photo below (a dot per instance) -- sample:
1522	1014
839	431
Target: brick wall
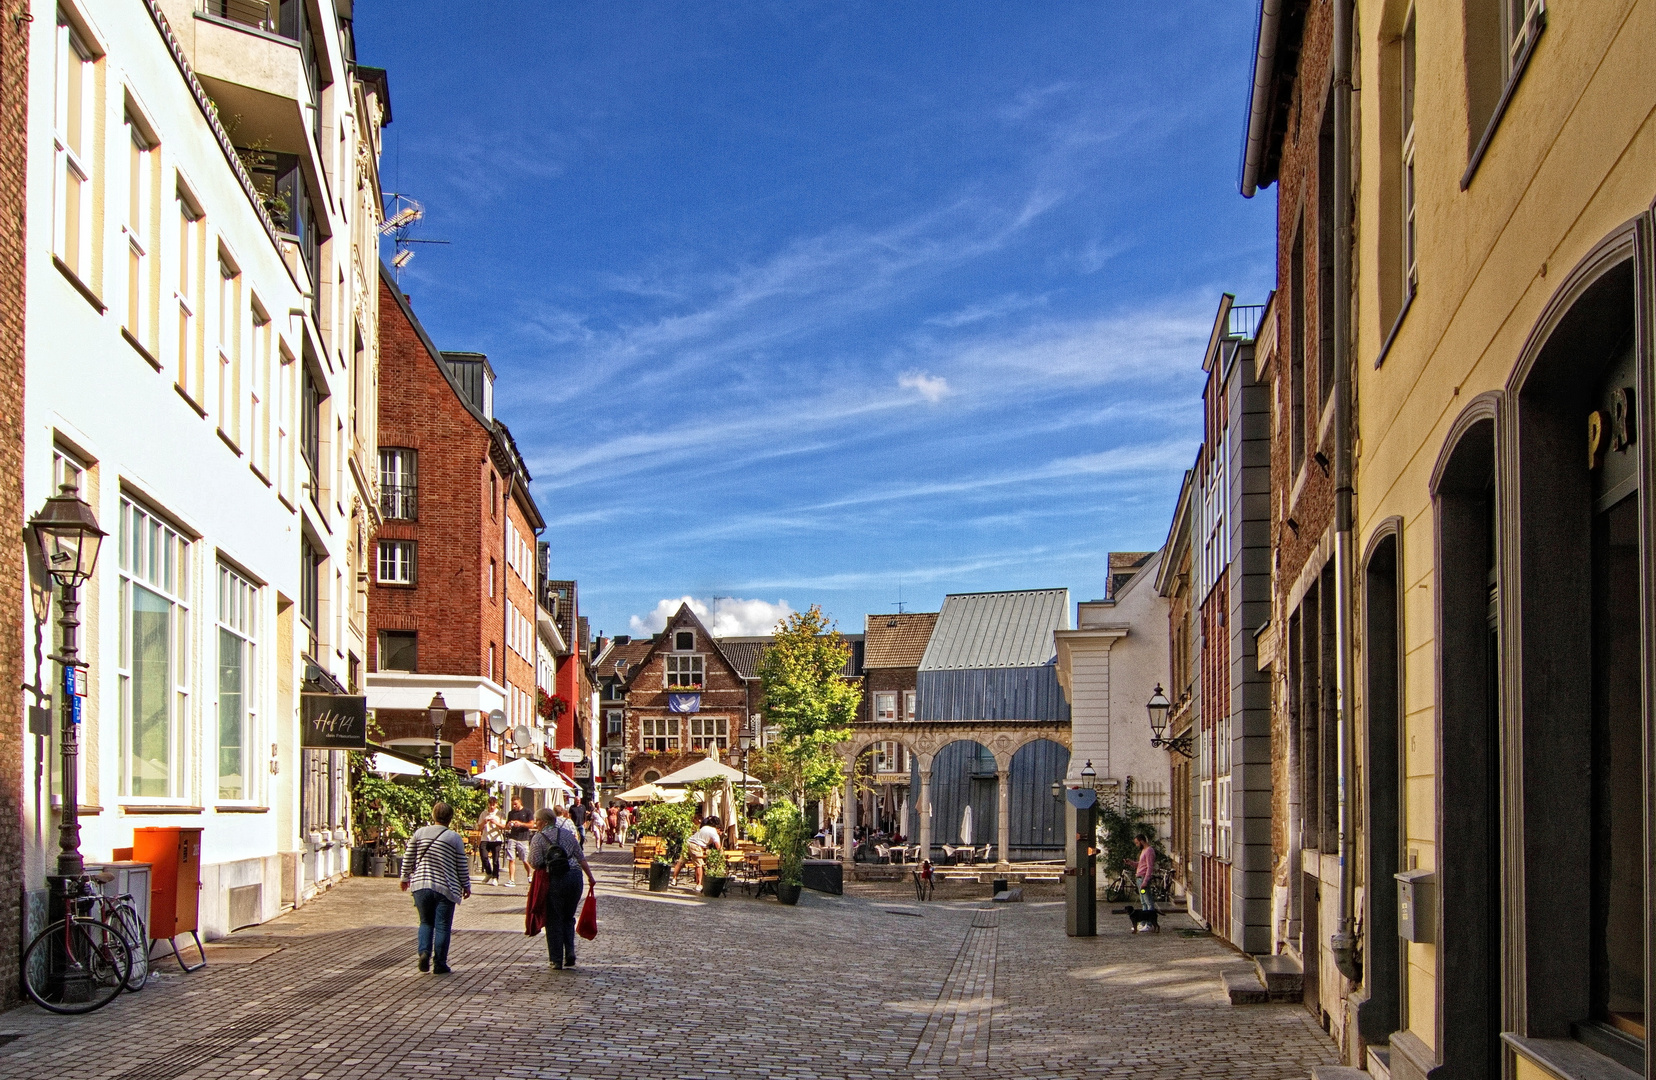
13	83
726	693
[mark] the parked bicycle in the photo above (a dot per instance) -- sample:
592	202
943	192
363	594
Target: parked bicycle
121	912
81	962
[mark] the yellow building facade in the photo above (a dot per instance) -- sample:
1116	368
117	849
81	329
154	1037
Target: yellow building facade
1504	169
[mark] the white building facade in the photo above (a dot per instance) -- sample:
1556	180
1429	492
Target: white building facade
203	212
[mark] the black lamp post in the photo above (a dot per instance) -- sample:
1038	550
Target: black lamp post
67	533
1157	707
745	741
438	711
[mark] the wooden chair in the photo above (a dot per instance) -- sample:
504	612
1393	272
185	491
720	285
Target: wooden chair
767	872
644	853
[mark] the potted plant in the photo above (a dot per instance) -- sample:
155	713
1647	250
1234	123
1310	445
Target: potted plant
661	872
715	873
785	837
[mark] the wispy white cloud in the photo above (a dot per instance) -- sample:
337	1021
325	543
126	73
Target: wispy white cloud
724	616
980	312
933	388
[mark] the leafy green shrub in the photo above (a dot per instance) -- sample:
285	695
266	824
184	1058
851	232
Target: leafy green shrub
785	837
1119	824
716	865
673	822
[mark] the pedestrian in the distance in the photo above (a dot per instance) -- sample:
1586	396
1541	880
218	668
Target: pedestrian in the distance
491	829
556	851
614	816
1143	871
625	818
438	873
578	818
517	841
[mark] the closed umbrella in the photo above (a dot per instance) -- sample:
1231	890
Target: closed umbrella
966	826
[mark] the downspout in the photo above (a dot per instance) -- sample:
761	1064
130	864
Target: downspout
1343	944
506	586
1259	98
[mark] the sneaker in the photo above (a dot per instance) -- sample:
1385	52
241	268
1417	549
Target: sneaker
425	961
556	965
441	969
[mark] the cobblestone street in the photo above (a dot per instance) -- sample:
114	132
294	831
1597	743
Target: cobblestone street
674	986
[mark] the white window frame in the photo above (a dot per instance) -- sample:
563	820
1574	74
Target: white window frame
615	722
910	702
885	707
680	664
192	230
137	229
660	734
74	130
154	557
258	401
396	562
399	469
229	349
238	619
709	731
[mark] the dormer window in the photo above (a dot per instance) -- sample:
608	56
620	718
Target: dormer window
684	640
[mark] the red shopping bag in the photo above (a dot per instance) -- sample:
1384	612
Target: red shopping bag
587	924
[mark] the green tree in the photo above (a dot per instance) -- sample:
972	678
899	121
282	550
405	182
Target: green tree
785	837
810	703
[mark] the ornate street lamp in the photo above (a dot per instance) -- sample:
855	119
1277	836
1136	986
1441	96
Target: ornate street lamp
67	534
1088	774
438	712
1157	707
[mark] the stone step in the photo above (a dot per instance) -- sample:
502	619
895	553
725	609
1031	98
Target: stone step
1337	1072
1243	987
1379	1062
1283	976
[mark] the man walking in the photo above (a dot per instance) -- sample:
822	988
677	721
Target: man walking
491	829
438	873
578	818
517	842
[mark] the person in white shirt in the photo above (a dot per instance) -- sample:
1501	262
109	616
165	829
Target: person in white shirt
696	848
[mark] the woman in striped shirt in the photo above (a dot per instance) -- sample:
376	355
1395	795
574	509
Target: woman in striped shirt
438	872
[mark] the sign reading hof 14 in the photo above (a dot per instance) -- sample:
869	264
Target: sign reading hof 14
333	722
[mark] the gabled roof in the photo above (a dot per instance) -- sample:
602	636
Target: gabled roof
897	641
997	630
680	617
744	653
631	652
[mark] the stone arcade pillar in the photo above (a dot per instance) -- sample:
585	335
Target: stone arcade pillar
848	854
925	810
1003	817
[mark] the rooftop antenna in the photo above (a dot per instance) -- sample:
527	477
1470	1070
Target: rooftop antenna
402	212
900	610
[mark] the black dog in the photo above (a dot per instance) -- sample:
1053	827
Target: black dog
1146	918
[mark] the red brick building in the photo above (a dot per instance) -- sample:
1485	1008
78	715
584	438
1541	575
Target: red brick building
682	662
14	70
452	608
893	645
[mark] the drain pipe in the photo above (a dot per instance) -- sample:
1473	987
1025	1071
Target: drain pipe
1344	942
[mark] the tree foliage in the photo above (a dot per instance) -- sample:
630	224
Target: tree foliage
785	837
673	822
810	703
391	808
1119	823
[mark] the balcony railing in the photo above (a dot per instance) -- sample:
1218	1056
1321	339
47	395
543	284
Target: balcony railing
397	502
254	13
1244	321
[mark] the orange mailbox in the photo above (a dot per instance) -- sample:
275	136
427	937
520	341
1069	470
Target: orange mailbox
175	883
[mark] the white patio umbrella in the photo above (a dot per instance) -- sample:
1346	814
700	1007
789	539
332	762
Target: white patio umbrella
966	826
705	769
652	793
521	772
390	765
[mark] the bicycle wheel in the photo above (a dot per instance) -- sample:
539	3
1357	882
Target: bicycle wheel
126	921
76	967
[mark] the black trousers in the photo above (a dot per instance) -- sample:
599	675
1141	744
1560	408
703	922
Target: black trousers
563	903
489	853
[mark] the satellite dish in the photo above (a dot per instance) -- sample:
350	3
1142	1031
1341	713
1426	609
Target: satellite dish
497	722
521	738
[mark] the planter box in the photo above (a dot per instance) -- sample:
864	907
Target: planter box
824	875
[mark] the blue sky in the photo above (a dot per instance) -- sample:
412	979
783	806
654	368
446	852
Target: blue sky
806	303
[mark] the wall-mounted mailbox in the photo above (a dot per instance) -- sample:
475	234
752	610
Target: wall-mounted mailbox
1416	905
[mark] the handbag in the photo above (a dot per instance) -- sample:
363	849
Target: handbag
587	924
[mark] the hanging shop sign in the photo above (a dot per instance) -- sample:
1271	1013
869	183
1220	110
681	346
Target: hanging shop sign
333	722
684	703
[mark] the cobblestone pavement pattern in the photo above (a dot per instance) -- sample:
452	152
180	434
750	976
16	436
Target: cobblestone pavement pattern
857	986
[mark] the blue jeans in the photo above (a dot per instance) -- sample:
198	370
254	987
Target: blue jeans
563	903
1144	894
436	918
